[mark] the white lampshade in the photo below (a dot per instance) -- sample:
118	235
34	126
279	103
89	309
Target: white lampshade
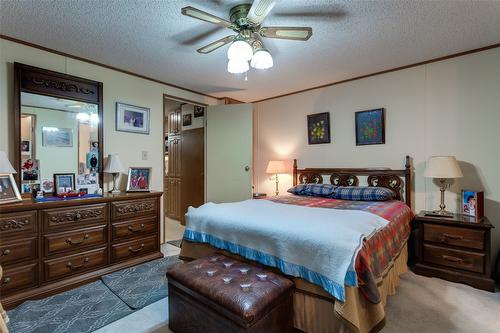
113	164
262	59
443	167
5	166
237	66
277	167
240	50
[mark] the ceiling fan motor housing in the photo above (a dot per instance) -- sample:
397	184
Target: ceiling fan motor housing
238	16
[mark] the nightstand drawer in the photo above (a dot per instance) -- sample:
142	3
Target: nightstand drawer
464	260
464	237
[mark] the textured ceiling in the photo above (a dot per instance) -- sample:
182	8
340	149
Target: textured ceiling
350	38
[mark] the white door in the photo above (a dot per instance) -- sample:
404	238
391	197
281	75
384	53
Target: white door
229	153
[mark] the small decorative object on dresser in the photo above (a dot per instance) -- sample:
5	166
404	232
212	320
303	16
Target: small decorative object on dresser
370	127
64	182
455	248
442	168
473	203
318	128
138	179
8	187
130	118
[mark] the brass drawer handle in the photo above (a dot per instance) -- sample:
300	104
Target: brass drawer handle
452	259
455	237
130	228
7	280
136	250
6	252
72	267
78	216
72	242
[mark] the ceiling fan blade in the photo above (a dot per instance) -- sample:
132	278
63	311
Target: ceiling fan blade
204	16
294	33
215	45
259	10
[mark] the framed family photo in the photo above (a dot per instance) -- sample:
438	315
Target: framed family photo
64	182
133	119
138	179
8	189
370	127
473	203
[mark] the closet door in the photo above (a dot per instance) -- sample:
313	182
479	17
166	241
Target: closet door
174	157
229	153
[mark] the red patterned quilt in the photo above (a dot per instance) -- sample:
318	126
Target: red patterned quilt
379	251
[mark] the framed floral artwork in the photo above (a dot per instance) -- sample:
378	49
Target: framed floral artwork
370	127
318	128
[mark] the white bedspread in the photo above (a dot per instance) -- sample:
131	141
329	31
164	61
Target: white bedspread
316	244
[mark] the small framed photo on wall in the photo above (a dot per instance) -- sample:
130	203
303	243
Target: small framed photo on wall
187	120
473	203
133	119
370	127
199	111
318	128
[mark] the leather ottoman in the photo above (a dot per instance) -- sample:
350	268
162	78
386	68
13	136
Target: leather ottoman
217	294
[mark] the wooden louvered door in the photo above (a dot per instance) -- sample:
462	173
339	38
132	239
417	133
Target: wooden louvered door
173	177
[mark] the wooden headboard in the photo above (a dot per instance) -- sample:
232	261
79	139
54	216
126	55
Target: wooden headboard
399	181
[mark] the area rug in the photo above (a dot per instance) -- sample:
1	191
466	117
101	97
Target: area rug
80	310
176	243
143	284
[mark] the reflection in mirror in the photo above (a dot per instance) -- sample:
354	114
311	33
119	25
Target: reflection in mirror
58	136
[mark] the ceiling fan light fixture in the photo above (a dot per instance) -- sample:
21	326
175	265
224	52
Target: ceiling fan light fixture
262	59
240	50
236	66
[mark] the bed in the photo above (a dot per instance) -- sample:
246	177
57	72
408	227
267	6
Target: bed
322	303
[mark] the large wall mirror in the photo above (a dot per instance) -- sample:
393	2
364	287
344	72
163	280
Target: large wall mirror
58	131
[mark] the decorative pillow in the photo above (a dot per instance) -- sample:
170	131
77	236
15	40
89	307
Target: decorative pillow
363	193
313	190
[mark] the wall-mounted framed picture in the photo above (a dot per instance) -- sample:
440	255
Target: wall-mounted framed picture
199	111
187	120
64	182
57	137
138	179
8	189
473	203
25	147
318	128
370	127
131	118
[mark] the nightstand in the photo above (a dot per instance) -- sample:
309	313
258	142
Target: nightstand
259	195
455	249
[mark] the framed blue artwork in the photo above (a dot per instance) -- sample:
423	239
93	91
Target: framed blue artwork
370	127
318	128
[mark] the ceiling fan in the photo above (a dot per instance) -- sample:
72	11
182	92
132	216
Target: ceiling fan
246	44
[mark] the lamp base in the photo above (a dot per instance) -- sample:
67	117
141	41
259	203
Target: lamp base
440	213
115	191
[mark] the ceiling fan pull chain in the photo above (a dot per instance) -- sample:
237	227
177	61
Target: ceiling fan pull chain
246	76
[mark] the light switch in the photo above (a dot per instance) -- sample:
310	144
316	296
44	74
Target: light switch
144	155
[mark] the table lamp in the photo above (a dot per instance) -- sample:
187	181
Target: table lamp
113	166
442	168
5	166
276	167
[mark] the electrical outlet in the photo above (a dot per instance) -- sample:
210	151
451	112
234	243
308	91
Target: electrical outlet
144	155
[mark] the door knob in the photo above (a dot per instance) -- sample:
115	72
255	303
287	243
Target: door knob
247	168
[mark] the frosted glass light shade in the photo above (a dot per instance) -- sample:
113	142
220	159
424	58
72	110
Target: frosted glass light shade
443	167
262	59
5	166
276	167
237	66
240	50
113	164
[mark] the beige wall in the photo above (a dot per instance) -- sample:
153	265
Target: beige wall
450	107
118	87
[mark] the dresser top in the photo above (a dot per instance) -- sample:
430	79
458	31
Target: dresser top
30	204
456	219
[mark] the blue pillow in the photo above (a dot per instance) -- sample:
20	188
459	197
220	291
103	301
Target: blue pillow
313	190
363	193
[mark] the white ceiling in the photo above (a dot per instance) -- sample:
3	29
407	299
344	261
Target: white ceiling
350	38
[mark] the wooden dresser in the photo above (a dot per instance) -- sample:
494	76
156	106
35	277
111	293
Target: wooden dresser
46	248
456	249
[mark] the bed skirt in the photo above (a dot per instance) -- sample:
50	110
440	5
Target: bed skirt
315	311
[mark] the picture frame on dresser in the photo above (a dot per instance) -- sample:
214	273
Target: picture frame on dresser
9	191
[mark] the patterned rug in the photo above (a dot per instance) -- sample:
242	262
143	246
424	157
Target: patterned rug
176	243
81	310
141	285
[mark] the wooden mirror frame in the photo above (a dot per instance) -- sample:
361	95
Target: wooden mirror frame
49	83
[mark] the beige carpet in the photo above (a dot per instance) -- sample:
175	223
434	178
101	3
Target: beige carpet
433	305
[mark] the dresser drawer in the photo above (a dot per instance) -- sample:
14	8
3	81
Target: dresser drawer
463	237
464	260
134	248
74	217
75	239
17	223
17	278
17	250
126	229
74	264
133	208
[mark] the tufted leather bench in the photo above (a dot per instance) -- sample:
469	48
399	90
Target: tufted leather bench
217	294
